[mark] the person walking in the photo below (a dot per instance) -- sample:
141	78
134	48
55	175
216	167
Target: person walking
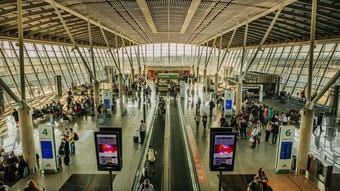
268	130
151	157
204	119
197	119
319	120
243	128
15	115
211	107
142	130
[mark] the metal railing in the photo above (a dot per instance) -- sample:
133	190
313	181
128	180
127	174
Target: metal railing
188	151
150	128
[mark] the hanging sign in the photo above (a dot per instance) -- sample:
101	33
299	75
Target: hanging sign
48	149
284	149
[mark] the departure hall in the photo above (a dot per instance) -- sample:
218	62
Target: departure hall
169	95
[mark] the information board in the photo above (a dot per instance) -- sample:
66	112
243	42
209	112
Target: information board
228	102
107	97
108	150
284	149
47	148
222	149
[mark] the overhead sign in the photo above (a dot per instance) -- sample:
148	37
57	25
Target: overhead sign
108	150
284	149
228	102
48	149
222	149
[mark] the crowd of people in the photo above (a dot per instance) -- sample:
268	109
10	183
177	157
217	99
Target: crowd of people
12	167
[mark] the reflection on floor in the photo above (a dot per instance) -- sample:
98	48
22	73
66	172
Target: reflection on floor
93	182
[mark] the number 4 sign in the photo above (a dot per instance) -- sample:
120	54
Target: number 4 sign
47	148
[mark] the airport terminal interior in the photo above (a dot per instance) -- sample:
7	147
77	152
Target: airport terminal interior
169	95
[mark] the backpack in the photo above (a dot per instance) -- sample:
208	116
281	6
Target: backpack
76	137
151	155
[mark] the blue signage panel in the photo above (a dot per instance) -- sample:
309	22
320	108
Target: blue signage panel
107	103
228	104
46	149
286	150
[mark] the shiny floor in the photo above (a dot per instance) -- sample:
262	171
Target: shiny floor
247	160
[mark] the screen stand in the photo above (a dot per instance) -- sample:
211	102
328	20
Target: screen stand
220	182
110	176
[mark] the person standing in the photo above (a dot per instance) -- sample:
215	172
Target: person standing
197	119
253	136
204	119
319	120
268	130
15	115
146	186
211	107
275	132
72	141
142	130
243	128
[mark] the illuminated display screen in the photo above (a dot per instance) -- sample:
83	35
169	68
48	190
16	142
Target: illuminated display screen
228	104
108	152
286	150
46	149
222	152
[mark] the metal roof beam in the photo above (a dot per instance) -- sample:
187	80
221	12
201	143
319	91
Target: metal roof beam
191	11
146	12
275	8
62	7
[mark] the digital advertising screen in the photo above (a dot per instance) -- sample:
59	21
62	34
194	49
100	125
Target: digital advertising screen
108	151
46	149
222	149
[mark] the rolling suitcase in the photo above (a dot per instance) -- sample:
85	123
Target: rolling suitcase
135	139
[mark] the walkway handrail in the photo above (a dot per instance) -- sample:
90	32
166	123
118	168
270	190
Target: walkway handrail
142	159
188	151
166	186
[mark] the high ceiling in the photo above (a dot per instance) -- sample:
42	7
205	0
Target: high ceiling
126	22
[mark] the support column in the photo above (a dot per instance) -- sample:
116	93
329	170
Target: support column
205	84
58	85
197	73
238	98
140	71
193	69
120	76
306	127
216	83
96	96
27	138
133	74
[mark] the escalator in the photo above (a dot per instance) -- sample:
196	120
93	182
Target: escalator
157	142
179	172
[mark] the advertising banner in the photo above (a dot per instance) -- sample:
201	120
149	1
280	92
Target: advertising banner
48	149
228	102
284	149
222	149
108	150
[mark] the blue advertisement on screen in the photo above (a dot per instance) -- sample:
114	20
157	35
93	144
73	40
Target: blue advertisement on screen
228	104
46	149
286	150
